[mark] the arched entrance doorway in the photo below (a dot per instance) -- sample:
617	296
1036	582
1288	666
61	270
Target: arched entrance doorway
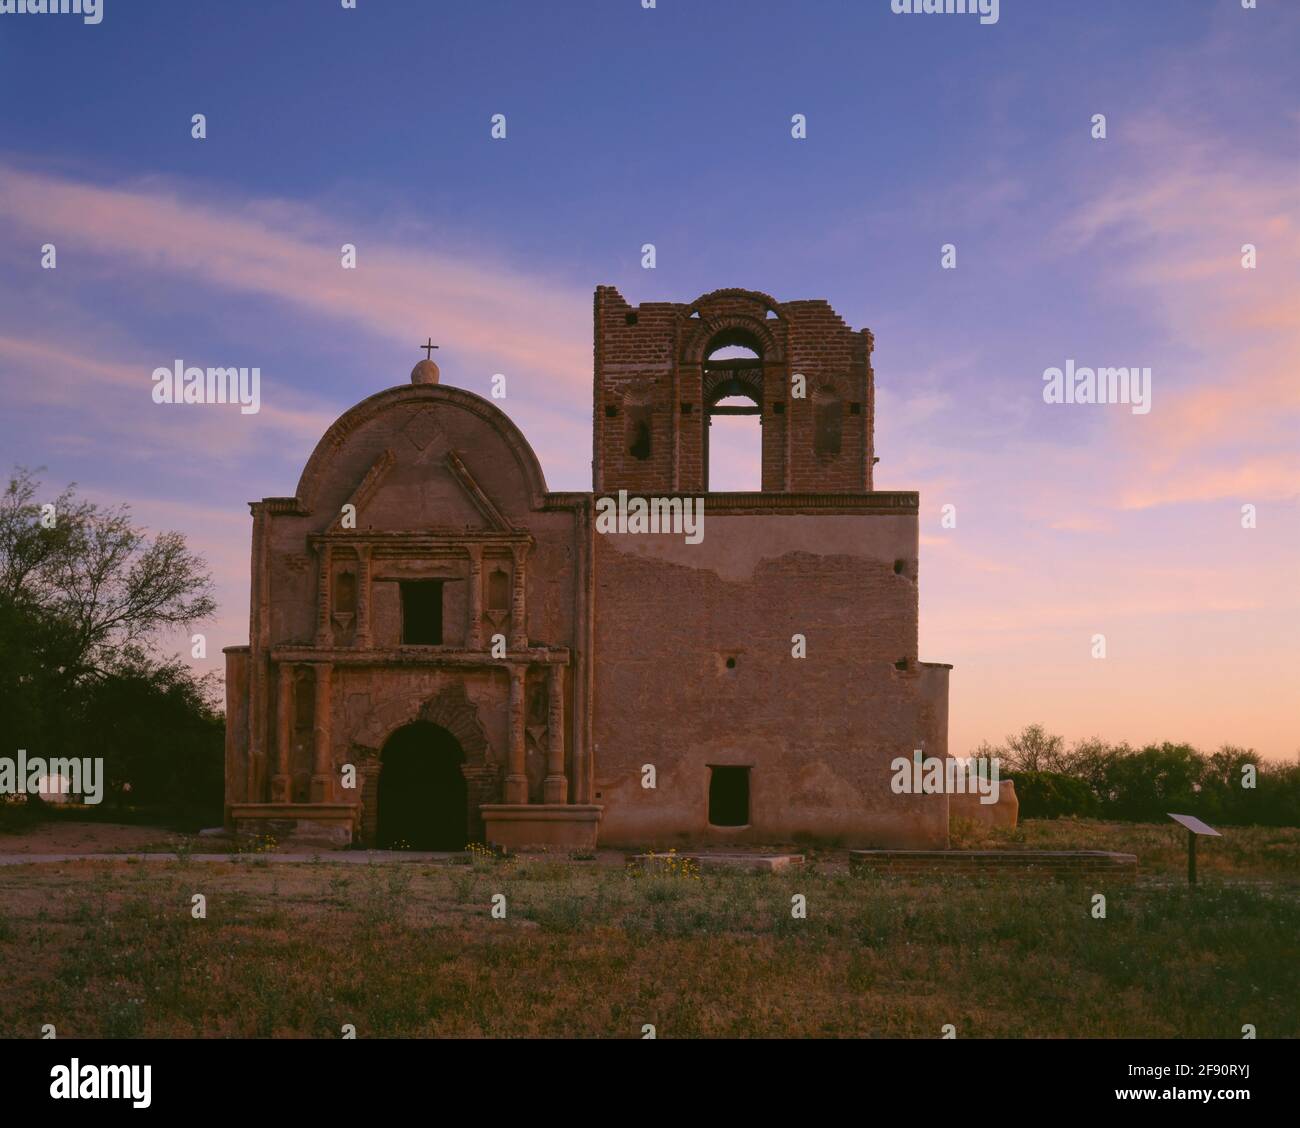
423	799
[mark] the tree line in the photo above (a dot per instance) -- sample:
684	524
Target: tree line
86	596
1232	785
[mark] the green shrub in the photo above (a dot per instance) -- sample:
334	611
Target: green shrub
1050	795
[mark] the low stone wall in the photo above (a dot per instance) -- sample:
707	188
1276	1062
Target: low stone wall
1018	864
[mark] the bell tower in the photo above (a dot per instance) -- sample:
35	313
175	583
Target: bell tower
658	386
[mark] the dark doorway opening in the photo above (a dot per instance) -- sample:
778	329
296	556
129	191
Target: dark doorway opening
729	796
423	798
422	612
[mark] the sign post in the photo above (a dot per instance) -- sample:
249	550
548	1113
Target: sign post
1195	828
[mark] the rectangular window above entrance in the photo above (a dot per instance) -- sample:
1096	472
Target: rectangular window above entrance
422	612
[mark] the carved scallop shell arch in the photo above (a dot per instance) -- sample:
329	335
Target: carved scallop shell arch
450	709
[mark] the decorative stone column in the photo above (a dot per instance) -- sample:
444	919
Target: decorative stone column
281	784
474	629
555	788
516	789
324	635
518	607
362	636
322	781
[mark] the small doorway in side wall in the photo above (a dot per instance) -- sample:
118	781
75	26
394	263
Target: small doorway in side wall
728	796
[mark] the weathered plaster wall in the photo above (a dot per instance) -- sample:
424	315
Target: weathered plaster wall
819	732
652	367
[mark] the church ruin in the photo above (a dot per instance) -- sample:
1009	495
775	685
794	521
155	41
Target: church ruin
444	651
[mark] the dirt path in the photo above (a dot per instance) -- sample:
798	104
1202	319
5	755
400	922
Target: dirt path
350	857
64	837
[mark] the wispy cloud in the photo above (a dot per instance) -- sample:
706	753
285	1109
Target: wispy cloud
290	252
1171	232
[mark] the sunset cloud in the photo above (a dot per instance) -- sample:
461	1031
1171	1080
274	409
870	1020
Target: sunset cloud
291	253
1171	233
1070	521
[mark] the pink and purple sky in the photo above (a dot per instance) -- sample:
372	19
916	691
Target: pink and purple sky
671	126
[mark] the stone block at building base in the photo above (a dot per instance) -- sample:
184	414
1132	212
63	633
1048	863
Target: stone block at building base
329	826
532	826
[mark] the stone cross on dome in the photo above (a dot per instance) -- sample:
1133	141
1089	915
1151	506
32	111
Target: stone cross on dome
426	372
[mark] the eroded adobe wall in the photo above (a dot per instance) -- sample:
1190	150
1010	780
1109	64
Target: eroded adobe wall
650	369
835	361
934	708
635	357
819	733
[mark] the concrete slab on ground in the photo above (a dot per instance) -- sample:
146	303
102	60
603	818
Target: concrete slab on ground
756	863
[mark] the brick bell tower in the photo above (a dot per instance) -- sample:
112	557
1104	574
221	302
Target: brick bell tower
657	390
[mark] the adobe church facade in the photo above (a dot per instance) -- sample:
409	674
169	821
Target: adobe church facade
444	651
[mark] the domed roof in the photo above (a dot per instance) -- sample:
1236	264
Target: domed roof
412	409
426	372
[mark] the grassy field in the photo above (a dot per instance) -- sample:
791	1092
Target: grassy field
1248	853
410	949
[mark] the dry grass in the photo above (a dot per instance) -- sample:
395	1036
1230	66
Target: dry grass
1161	848
111	949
